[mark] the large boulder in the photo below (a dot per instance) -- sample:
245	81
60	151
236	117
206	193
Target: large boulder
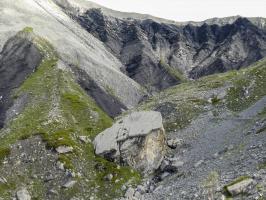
137	140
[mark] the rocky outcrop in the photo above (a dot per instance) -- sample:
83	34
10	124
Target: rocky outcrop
137	140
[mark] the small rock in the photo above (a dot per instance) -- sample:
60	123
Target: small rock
130	193
216	155
137	195
49	177
164	164
3	180
231	147
171	166
69	184
64	149
124	188
54	192
141	189
85	139
173	143
60	166
164	175
177	164
23	194
199	163
239	187
151	188
109	177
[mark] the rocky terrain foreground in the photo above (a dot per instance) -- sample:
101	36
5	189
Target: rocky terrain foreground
100	104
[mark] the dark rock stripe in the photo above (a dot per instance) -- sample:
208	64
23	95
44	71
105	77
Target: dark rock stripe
109	103
18	59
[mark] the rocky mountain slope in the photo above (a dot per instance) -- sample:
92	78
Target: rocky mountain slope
218	123
158	55
75	46
69	68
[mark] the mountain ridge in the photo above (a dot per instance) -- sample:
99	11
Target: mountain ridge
82	5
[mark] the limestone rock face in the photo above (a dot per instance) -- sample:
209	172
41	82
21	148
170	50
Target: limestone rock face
137	140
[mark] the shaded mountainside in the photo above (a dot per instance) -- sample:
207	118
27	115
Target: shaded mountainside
195	50
192	50
18	59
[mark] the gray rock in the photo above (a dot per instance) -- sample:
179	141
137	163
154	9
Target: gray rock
54	192
164	175
130	193
60	166
137	195
109	177
64	149
177	164
23	194
199	163
69	184
173	143
141	189
3	180
123	188
164	165
171	165
85	139
239	187
137	139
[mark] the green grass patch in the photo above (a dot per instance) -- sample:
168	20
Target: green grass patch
121	176
177	74
5	190
28	30
262	165
263	112
248	87
4	152
59	138
66	160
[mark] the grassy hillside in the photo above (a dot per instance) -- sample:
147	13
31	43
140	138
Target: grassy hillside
233	91
59	111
